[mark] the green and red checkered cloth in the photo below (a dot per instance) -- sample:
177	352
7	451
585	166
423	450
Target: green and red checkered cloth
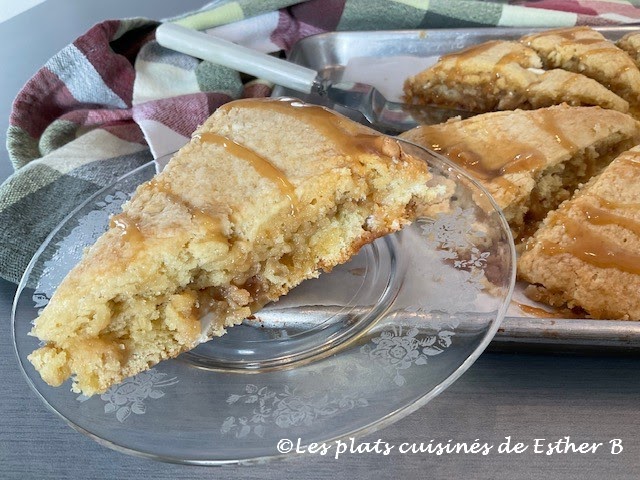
114	99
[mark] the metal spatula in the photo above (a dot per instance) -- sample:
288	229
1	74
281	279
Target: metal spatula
389	117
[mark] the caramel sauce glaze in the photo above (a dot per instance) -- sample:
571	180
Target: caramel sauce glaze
510	156
603	216
519	57
592	46
455	73
263	166
592	248
568	35
130	230
470	52
333	126
212	222
542	313
546	121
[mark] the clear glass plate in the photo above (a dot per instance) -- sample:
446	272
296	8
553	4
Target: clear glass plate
342	355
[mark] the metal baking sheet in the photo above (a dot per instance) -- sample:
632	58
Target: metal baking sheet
330	53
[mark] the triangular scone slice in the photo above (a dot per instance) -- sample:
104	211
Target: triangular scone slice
586	51
480	78
532	160
553	87
265	195
587	253
630	43
502	75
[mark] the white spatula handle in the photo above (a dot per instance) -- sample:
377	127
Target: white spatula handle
223	52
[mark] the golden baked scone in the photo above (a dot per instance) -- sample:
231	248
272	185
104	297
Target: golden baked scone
586	51
469	78
532	160
266	194
587	253
503	75
630	43
554	87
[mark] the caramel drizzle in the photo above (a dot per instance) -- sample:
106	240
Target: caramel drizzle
603	216
568	83
331	125
129	229
518	56
470	52
211	222
510	157
542	313
505	185
263	166
593	46
568	34
612	205
547	122
595	249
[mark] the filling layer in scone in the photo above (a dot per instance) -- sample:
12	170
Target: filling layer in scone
265	195
531	161
586	254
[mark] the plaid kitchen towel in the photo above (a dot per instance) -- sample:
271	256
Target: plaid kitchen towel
114	98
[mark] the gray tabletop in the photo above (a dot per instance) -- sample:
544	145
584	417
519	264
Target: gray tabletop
524	396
